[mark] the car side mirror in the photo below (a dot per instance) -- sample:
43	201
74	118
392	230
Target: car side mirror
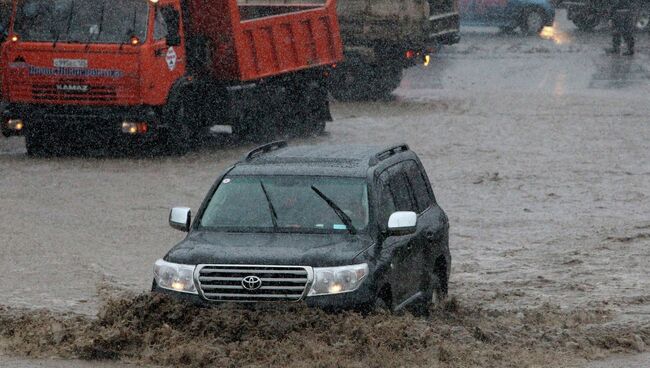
180	218
402	223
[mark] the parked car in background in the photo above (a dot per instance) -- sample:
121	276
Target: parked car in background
337	227
587	14
531	16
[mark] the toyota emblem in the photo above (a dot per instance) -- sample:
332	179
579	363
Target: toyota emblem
251	283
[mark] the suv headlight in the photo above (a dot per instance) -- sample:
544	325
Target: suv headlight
173	276
337	280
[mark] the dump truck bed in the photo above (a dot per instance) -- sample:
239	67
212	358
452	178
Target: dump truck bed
254	41
365	22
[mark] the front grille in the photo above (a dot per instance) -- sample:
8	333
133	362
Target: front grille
278	283
50	92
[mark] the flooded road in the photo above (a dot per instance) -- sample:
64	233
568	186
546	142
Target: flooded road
537	149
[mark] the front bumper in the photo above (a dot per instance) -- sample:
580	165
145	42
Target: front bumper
107	118
355	300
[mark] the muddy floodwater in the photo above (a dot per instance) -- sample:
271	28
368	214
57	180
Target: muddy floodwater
538	149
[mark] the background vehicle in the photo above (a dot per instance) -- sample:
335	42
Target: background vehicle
5	15
531	16
166	70
587	14
382	38
337	227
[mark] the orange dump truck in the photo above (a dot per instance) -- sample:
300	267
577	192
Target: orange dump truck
164	71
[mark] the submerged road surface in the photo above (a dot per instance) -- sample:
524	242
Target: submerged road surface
537	149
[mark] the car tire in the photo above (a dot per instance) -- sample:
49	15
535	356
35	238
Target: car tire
382	303
435	286
533	21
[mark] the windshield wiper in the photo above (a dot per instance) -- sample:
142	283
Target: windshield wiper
69	24
100	25
131	31
274	215
339	212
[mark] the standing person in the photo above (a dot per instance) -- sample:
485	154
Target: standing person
622	18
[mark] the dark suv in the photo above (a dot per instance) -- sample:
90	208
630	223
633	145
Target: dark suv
338	227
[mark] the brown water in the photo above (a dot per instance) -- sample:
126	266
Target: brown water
537	150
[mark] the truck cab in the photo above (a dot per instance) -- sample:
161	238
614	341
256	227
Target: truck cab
154	69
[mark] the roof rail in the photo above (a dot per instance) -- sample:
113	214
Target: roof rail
266	148
388	152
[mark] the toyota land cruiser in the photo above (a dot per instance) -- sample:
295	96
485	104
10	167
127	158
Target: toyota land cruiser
337	227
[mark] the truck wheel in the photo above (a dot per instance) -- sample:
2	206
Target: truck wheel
357	81
585	22
309	111
251	130
317	113
175	138
37	142
533	21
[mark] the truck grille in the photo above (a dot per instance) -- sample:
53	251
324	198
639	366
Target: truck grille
51	92
278	283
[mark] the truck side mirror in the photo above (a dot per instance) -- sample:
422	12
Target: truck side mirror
173	39
402	223
172	19
180	218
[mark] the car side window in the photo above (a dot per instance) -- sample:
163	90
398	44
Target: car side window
419	186
400	188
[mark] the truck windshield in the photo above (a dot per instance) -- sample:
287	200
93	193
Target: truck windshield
289	204
97	21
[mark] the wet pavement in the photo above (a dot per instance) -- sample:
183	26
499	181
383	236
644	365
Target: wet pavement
537	149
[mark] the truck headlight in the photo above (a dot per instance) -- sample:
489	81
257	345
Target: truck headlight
173	276
337	280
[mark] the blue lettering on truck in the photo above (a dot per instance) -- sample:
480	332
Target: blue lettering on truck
69	72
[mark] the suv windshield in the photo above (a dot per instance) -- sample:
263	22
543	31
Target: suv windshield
99	21
240	204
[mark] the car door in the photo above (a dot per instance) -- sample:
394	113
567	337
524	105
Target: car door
429	220
405	278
